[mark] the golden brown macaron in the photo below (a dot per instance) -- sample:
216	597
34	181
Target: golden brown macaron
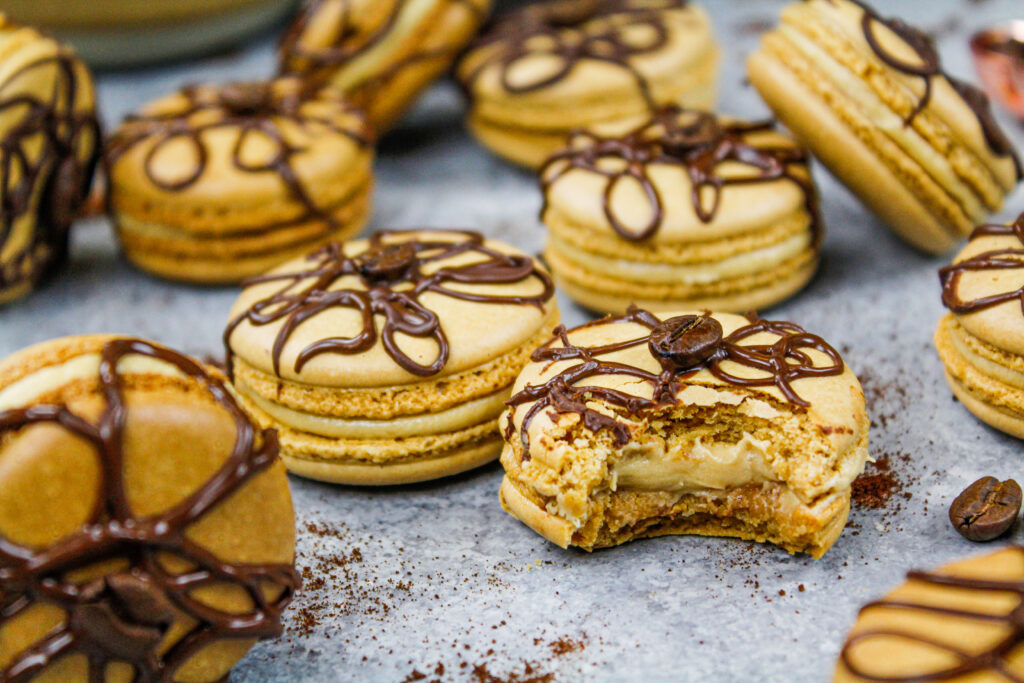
689	210
214	184
981	339
551	67
146	527
381	53
388	360
960	622
868	97
50	143
687	423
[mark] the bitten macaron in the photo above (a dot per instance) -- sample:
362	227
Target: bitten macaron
388	360
146	526
214	184
381	53
701	423
869	97
981	339
689	210
551	67
49	144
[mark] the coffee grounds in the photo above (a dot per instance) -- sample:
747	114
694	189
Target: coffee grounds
875	488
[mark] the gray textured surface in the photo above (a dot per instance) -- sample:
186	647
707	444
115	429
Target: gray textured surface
438	574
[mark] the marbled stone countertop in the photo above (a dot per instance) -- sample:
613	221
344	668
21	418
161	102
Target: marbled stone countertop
436	579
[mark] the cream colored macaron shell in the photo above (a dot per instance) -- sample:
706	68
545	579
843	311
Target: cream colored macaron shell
923	152
410	392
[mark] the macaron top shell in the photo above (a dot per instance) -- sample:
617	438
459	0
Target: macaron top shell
239	145
391	310
985	286
567	50
815	380
683	176
903	53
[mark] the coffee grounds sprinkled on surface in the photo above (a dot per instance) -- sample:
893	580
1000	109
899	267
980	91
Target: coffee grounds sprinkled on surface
875	488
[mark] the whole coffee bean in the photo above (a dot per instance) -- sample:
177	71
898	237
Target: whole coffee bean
388	262
986	509
685	341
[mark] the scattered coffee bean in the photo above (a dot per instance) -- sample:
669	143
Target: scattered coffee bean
685	341
986	509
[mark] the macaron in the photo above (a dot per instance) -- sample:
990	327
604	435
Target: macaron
712	424
388	360
49	143
688	210
214	184
146	527
551	67
869	97
981	339
382	54
956	623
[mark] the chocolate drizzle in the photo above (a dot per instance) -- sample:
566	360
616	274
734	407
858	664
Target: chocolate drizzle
574	31
62	166
1009	258
126	616
784	361
695	141
254	110
996	658
392	273
929	67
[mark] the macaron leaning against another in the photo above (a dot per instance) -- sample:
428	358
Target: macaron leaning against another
146	526
49	144
215	184
388	360
981	339
689	210
551	67
868	97
686	423
381	53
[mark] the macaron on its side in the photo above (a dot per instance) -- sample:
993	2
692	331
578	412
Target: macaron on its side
529	86
921	150
980	340
630	454
103	434
256	174
707	213
381	54
50	144
413	391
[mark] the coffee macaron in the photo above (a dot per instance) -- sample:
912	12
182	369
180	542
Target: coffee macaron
214	184
981	339
551	67
688	210
146	526
869	97
381	53
49	144
388	360
960	622
702	423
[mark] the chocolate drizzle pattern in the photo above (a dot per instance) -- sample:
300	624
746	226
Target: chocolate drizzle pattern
125	616
928	67
391	272
574	31
783	362
63	165
255	110
348	43
994	659
1009	258
697	142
